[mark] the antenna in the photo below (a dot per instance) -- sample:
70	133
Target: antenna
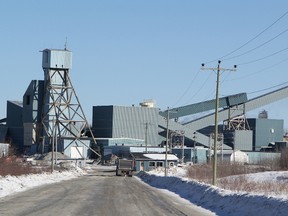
65	45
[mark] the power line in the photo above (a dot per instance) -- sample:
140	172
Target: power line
251	74
266	42
267	88
187	89
249	41
199	89
268	56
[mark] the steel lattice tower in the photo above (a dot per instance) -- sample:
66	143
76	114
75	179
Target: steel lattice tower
62	115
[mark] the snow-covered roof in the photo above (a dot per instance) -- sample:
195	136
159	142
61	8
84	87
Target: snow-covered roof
161	156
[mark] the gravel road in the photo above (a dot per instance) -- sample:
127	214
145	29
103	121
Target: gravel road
98	193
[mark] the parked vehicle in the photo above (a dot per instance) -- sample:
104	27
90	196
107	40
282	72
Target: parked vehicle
125	167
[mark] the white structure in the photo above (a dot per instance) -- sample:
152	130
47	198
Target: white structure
4	149
148	103
239	157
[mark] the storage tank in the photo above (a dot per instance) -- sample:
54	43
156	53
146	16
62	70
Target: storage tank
239	157
148	103
263	115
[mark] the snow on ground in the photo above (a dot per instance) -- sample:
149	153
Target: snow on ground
222	202
12	184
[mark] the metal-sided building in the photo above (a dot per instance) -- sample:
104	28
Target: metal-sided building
32	107
32	123
123	121
146	162
15	124
191	155
50	116
266	131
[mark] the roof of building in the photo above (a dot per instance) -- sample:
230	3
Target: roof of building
18	103
154	156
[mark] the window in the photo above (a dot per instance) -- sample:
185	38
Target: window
46	56
151	164
27	99
159	164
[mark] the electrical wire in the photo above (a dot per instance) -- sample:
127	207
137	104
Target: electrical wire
265	57
256	46
187	89
200	88
249	41
267	88
264	69
228	54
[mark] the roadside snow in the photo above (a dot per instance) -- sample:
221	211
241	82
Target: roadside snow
219	201
12	184
222	202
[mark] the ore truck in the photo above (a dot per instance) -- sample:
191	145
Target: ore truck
125	167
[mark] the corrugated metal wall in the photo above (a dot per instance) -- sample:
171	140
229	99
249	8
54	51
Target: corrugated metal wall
197	155
243	140
126	122
132	121
262	157
57	59
266	131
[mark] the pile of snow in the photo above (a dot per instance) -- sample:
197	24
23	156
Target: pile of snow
275	176
222	202
12	184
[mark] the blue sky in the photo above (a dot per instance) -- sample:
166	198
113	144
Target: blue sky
128	51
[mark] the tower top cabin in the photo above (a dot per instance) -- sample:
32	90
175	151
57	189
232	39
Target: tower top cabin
56	59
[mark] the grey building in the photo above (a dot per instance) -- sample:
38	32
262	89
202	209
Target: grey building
191	155
14	124
266	131
32	109
50	116
126	122
239	139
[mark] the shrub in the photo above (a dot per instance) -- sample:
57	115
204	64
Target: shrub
14	166
284	159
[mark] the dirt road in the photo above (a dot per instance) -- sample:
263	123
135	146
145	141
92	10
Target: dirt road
98	193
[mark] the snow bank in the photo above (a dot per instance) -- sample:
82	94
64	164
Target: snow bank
13	184
222	202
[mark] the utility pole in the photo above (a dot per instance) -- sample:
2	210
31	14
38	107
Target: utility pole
167	136
194	148
216	115
182	146
146	135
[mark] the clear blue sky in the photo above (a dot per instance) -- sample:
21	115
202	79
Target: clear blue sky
127	51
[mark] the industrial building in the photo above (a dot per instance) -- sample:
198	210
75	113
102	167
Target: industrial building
126	122
50	118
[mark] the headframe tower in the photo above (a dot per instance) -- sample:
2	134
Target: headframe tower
63	119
